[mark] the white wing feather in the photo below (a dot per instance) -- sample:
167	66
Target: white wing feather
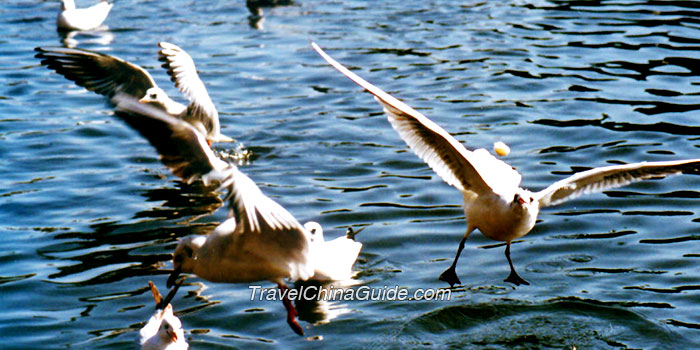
475	171
600	179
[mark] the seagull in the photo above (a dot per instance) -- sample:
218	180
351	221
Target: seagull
260	240
494	202
71	18
107	75
163	330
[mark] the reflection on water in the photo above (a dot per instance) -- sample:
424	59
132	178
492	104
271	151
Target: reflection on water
89	214
97	37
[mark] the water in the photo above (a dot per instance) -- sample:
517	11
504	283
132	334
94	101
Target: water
88	214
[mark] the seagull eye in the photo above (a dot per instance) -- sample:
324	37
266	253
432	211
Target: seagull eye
189	252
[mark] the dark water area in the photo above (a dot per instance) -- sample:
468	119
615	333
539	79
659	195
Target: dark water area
88	214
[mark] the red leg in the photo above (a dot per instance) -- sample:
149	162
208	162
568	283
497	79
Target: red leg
291	311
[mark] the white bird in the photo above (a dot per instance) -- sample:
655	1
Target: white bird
494	202
72	18
260	240
332	260
163	330
107	75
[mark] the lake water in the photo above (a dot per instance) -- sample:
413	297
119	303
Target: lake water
88	214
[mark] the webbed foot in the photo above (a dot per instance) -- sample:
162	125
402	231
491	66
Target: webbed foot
516	279
450	276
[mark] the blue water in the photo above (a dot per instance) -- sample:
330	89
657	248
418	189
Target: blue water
88	214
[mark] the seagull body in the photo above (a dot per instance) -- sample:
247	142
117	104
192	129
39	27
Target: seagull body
260	240
494	202
163	330
108	75
72	18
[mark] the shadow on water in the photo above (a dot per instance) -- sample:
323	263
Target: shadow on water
113	251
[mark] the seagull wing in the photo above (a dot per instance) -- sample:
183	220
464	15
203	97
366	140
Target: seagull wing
183	73
600	179
256	212
182	148
459	167
103	74
268	229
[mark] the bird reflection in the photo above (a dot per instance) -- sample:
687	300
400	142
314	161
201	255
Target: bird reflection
99	36
313	307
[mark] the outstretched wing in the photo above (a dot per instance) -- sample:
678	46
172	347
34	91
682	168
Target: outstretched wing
183	73
182	148
266	228
466	170
600	179
254	211
103	74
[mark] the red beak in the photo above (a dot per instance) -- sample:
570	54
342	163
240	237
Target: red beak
173	336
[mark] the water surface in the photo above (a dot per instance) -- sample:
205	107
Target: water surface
88	214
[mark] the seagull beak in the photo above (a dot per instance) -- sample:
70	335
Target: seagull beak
173	277
173	336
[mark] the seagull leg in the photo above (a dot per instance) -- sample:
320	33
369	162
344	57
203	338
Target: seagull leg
450	275
291	311
513	277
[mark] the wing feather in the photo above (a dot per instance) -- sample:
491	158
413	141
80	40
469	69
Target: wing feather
182	148
600	179
183	73
254	211
266	228
459	167
97	72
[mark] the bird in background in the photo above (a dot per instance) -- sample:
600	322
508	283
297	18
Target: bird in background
494	202
163	330
260	240
107	75
72	18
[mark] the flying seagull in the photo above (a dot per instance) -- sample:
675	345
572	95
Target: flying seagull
72	18
107	75
260	240
494	202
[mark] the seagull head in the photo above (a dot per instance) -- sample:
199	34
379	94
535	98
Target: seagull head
316	231
525	208
67	5
155	96
170	330
185	256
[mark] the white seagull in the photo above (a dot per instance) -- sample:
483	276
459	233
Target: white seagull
163	330
494	202
72	18
260	240
107	75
